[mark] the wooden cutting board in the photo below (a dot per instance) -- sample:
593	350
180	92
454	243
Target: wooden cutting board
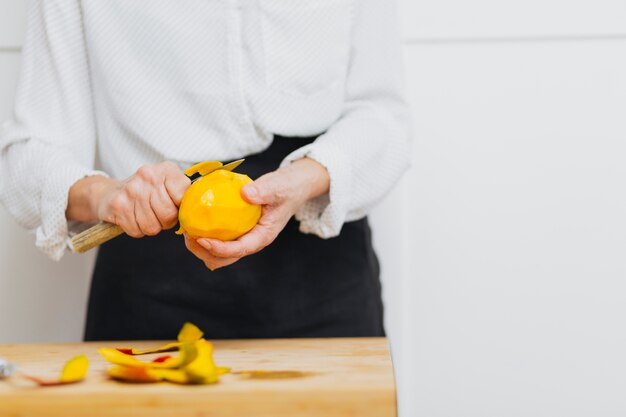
325	378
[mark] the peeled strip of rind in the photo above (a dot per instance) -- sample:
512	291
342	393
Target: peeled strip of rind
197	368
187	354
203	168
126	373
170	347
202	370
188	333
193	365
75	370
147	375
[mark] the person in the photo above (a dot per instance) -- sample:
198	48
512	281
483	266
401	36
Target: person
309	92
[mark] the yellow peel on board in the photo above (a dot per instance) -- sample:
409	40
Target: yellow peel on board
193	365
187	354
75	370
188	333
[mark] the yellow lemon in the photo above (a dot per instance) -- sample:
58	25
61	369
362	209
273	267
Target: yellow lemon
213	207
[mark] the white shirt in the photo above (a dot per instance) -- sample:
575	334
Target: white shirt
142	81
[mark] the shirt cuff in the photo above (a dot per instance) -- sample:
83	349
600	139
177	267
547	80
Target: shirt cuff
53	234
324	216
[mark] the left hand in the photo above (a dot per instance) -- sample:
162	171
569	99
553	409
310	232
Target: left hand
281	193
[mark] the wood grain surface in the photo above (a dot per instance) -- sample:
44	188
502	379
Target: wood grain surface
95	236
326	377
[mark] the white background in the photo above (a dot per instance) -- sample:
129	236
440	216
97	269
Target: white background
503	249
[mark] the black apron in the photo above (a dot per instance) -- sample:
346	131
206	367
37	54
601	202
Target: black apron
299	286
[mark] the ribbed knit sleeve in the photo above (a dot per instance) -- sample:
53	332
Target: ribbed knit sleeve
49	143
367	149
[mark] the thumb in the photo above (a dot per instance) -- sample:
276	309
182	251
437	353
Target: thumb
262	191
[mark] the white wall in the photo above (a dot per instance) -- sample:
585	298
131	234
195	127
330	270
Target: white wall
512	286
517	292
492	19
501	249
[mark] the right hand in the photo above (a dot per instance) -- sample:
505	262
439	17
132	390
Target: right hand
144	204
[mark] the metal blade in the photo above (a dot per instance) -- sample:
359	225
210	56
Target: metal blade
228	167
232	165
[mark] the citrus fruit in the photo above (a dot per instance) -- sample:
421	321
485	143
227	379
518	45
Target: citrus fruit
213	207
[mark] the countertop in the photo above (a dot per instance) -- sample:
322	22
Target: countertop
323	377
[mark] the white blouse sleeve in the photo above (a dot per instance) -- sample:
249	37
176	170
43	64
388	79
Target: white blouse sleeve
367	149
50	142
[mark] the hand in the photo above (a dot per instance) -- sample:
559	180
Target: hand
143	204
281	193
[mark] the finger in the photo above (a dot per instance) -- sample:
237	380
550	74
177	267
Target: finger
176	183
128	223
220	263
163	207
209	260
193	246
122	214
268	189
250	193
145	216
252	242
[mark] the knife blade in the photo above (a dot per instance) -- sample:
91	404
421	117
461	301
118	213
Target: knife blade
206	171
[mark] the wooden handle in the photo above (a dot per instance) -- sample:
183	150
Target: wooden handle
95	236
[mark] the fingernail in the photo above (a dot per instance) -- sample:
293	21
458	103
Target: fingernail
205	243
